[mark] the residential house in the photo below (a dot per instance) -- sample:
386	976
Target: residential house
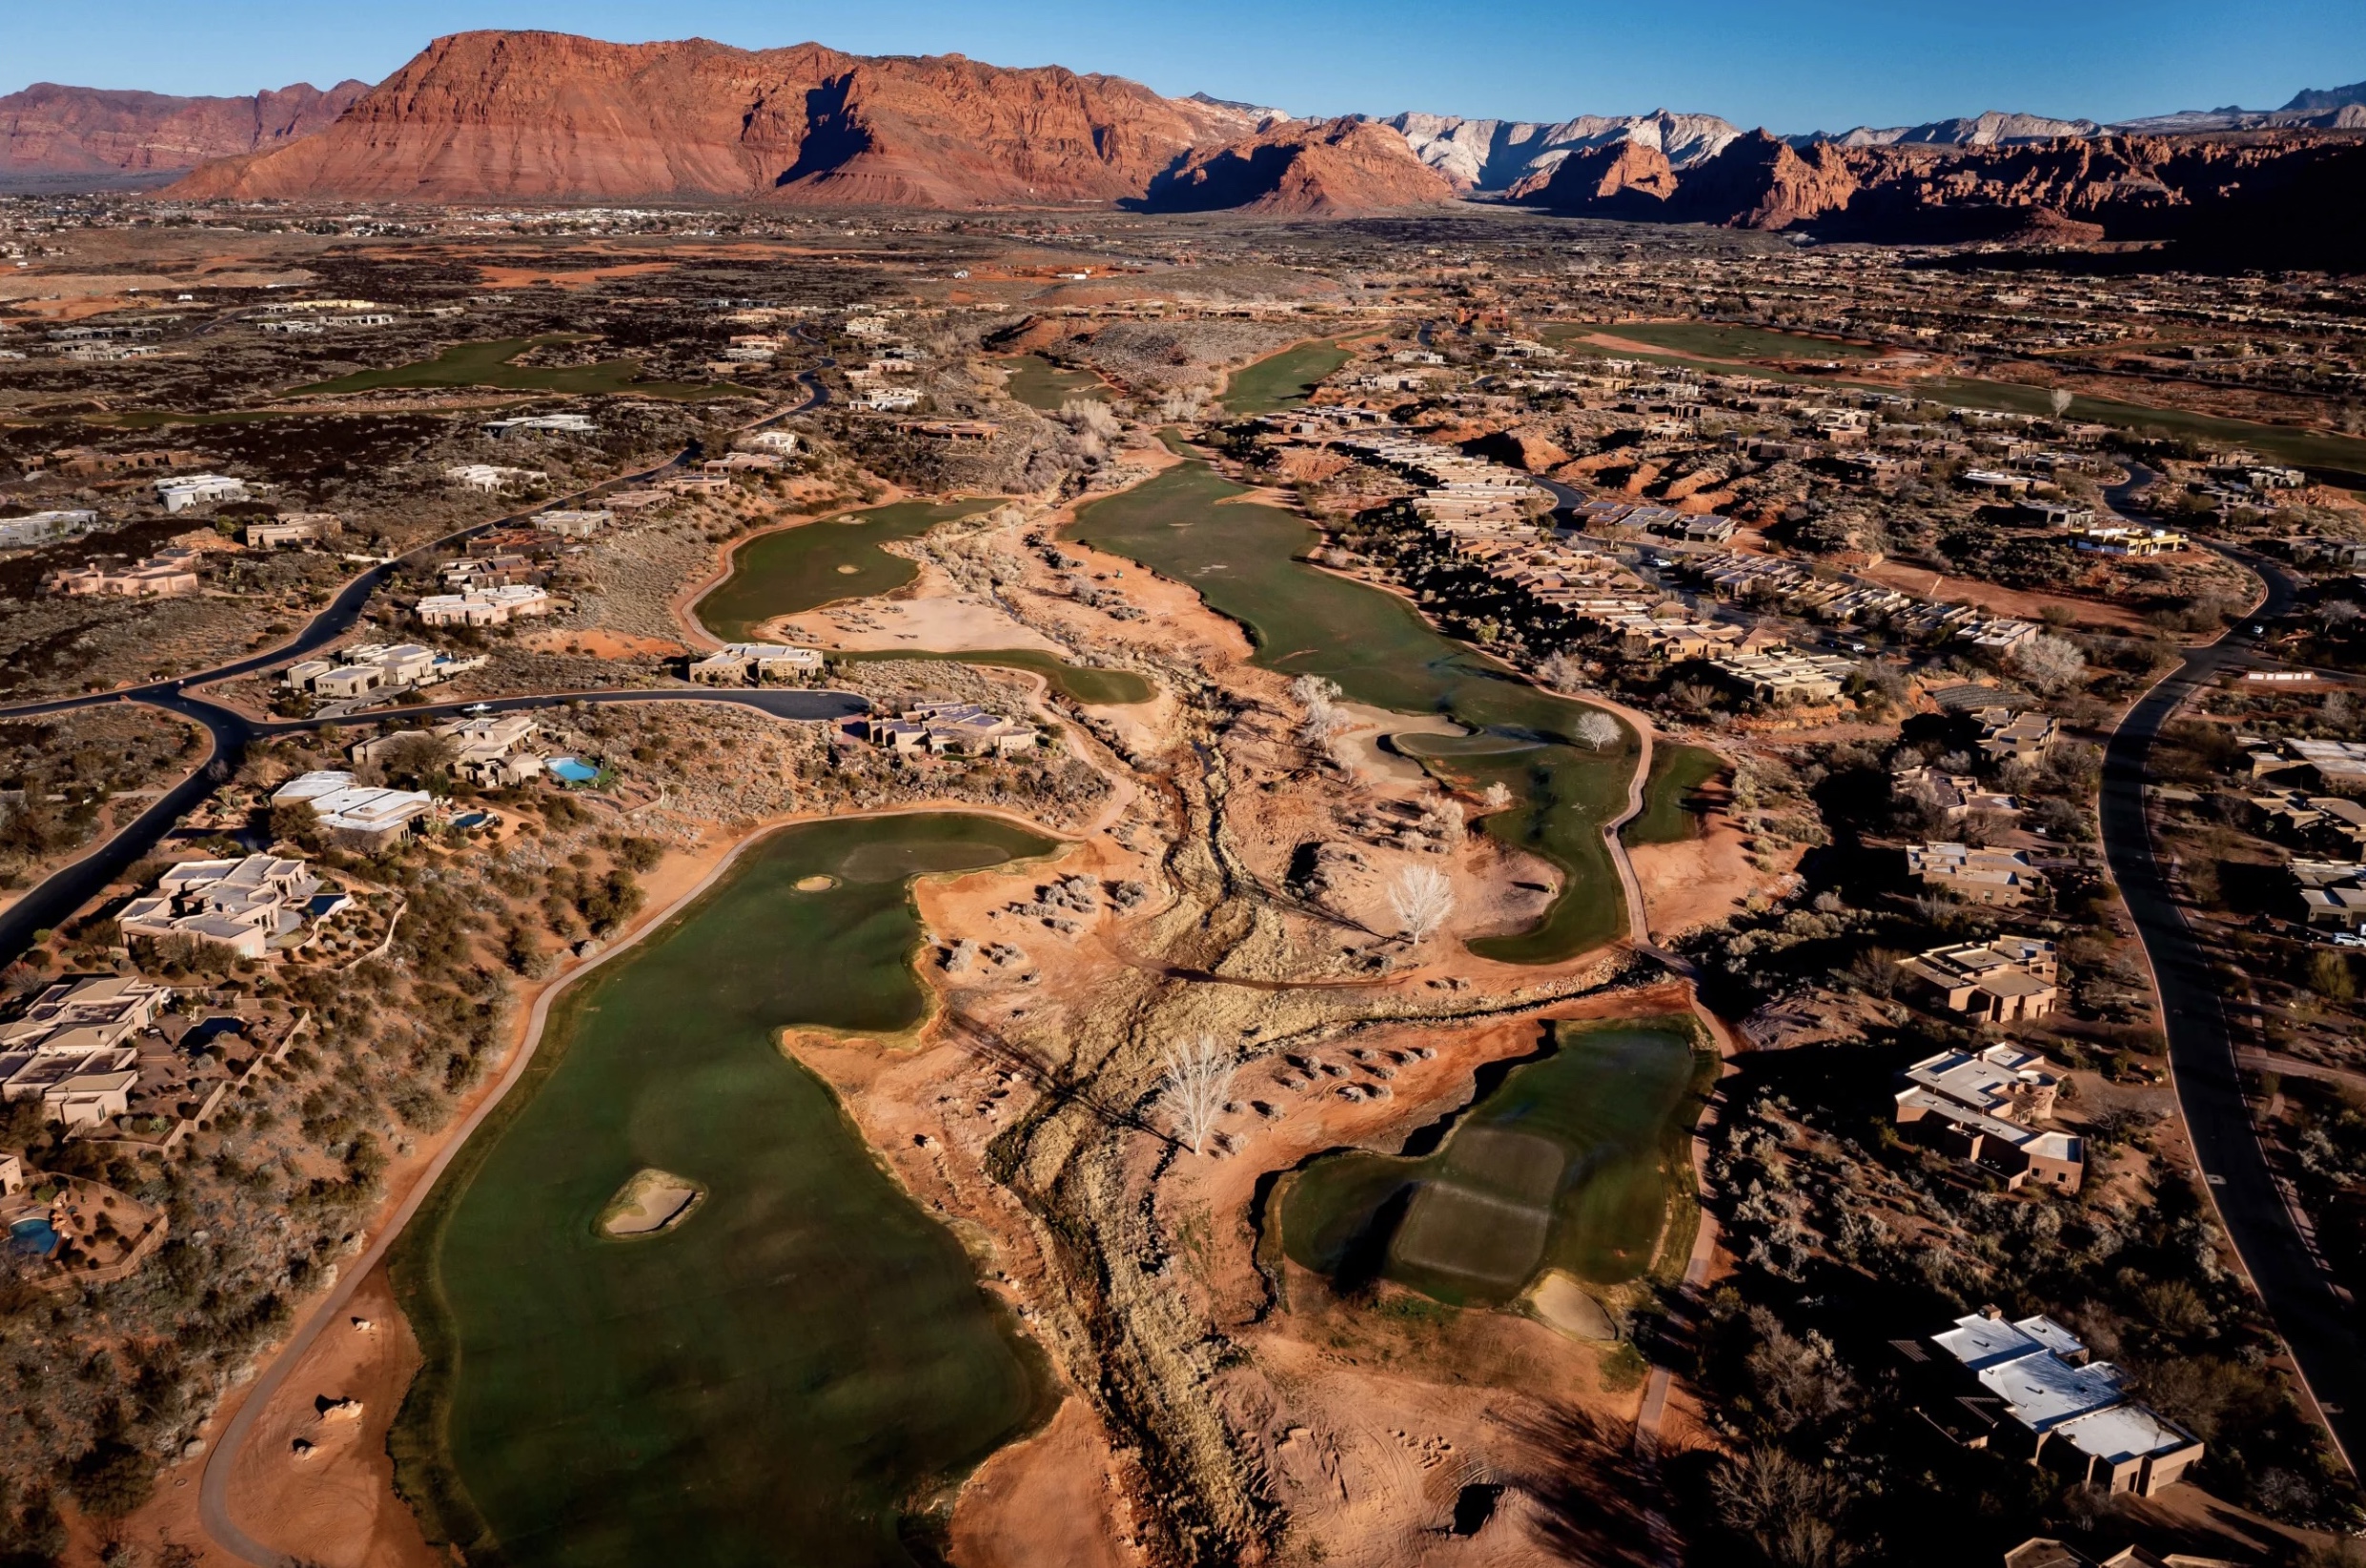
1780	677
249	906
1982	1107
574	524
2006	735
2028	1387
171	573
956	728
294	528
45	528
2333	894
2008	979
180	493
488	750
485	606
490	478
554	425
356	817
756	663
1975	875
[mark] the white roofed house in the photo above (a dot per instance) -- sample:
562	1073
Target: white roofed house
493	479
1982	1107
249	906
179	495
542	424
356	816
578	525
1976	875
2028	1387
492	607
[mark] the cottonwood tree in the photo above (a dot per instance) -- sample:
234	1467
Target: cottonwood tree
1423	899
2049	663
1598	731
1498	796
2060	399
1198	1080
1320	698
1563	671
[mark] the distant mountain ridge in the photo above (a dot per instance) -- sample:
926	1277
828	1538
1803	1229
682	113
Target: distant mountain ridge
51	135
1479	154
551	116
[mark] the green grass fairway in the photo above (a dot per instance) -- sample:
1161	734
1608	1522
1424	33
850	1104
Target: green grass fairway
1676	772
488	365
822	563
1568	1161
775	1381
1243	559
1280	379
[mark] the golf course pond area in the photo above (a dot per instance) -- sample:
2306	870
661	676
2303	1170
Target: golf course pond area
1247	561
790	1361
837	559
1572	1162
1040	384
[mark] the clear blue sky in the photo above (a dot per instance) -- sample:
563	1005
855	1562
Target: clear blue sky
1791	65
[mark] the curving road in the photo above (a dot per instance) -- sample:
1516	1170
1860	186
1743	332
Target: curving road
2321	1331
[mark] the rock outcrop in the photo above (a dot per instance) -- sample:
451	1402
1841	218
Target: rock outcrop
51	135
543	116
1489	155
2072	190
1319	168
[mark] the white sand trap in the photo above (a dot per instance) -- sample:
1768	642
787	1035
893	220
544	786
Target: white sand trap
650	1204
816	884
1561	1303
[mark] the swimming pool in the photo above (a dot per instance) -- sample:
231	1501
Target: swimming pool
572	770
32	1237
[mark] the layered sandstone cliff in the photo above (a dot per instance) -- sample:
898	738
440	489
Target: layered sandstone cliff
541	115
51	132
1321	168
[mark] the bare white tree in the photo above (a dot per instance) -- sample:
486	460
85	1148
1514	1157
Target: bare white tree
2050	664
1090	414
1598	731
1444	818
1422	898
1498	796
1320	698
1563	672
1198	1080
2060	399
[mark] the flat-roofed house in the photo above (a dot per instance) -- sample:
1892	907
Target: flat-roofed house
245	905
180	493
1975	875
294	528
360	817
2029	1387
2011	978
1981	1107
756	663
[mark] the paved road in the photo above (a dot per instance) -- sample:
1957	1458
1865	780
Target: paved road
67	889
2202	1032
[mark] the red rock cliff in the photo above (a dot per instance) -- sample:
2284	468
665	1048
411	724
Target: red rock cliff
52	131
530	115
1325	167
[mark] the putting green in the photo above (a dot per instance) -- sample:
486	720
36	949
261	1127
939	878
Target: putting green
1568	1162
789	1376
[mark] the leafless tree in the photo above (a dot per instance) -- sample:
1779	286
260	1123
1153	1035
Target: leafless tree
1320	698
1090	414
2049	663
1423	899
1598	731
1198	1078
1564	672
1499	796
2060	399
1444	818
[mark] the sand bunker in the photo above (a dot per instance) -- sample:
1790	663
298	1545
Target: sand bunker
650	1204
816	884
1559	1302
